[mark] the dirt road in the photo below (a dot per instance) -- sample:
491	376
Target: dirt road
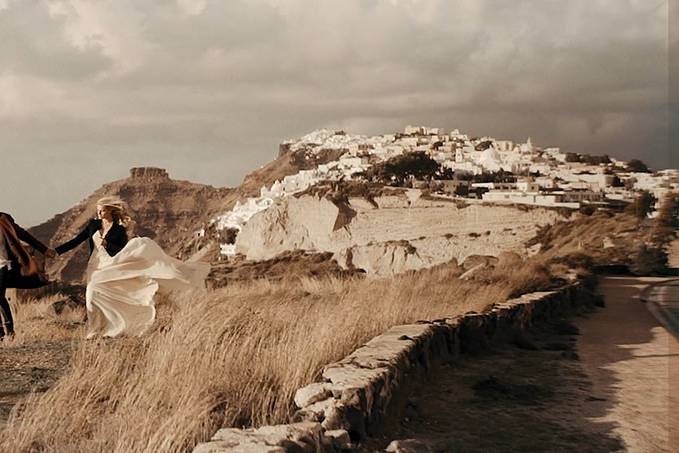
634	362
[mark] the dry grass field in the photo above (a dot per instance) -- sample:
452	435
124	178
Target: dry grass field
230	357
235	356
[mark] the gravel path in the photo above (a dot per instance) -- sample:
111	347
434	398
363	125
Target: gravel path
634	362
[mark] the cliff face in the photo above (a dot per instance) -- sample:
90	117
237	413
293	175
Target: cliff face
391	233
166	210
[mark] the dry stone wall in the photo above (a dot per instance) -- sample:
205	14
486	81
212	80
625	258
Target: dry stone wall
351	401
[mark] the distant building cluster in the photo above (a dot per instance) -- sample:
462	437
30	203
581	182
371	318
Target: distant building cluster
542	177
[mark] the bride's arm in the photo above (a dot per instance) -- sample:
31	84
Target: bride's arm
79	239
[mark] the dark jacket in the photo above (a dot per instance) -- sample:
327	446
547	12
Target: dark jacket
23	235
115	238
26	272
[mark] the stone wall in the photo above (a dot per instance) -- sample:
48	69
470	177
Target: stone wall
353	398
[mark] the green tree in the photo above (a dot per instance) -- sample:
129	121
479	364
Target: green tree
668	213
572	157
399	169
648	260
642	205
667	220
637	166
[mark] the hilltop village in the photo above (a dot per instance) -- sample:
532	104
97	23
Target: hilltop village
456	165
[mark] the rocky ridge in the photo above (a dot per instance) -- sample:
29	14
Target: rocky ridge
166	210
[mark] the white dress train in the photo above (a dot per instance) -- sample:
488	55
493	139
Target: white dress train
120	288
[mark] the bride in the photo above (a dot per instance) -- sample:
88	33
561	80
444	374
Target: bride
123	276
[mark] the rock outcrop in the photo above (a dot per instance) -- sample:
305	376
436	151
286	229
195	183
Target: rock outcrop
149	173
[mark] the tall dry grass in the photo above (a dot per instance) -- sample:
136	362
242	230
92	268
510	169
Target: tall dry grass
36	321
232	357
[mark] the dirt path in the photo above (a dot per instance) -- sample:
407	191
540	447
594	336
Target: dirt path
606	389
26	368
634	362
673	254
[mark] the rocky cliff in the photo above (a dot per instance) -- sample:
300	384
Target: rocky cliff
391	233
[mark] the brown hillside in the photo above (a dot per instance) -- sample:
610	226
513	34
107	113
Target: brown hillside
166	210
288	163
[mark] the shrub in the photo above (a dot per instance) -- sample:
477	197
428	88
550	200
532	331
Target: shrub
642	205
667	221
588	159
484	145
648	260
399	169
668	213
595	160
575	261
572	157
587	210
637	166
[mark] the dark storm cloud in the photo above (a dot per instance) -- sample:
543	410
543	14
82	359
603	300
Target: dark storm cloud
208	88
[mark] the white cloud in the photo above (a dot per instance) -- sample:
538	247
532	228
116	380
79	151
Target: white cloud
113	27
192	7
22	97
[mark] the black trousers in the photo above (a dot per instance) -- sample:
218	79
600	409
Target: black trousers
4	306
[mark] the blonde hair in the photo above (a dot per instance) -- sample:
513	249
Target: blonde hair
120	211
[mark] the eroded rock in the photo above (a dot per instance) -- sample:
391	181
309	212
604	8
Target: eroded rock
312	393
392	233
297	437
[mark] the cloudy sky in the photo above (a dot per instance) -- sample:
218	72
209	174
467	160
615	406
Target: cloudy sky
208	88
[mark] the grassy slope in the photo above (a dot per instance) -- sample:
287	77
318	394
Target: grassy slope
232	357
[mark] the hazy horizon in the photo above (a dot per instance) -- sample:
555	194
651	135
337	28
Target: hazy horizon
208	89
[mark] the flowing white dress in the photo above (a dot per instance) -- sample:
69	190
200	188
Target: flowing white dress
120	288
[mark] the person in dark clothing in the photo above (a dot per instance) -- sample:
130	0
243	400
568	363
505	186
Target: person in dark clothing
15	264
109	223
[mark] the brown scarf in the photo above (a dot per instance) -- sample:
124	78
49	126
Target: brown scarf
27	264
